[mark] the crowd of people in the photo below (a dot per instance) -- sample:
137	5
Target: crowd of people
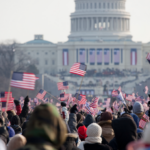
69	128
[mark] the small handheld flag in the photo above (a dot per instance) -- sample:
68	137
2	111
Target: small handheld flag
79	69
41	94
62	85
23	80
64	97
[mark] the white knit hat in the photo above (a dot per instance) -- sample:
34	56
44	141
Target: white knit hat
94	130
146	134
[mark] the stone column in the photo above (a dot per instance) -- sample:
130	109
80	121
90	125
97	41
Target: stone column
102	22
87	24
82	24
129	24
120	24
116	24
112	24
92	23
78	24
106	23
97	22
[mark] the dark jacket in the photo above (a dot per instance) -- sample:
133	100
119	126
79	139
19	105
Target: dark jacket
96	146
4	135
17	129
73	123
125	132
88	120
70	142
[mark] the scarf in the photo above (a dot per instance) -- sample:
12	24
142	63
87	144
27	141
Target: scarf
93	140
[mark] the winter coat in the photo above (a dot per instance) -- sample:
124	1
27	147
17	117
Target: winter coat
17	129
73	123
125	132
93	146
107	131
65	114
70	142
88	120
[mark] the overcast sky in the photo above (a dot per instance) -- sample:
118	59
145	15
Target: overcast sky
21	19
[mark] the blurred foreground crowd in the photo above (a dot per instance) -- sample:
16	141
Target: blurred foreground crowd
46	128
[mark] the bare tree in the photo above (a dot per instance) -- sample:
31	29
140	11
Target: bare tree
8	62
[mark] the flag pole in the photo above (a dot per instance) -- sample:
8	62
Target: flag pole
52	96
9	89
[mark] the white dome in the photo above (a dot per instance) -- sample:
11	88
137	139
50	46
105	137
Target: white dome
100	19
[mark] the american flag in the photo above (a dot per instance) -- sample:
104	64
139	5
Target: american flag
64	97
129	98
94	104
83	99
139	98
62	85
88	108
142	124
146	117
114	93
106	56
116	56
41	94
23	80
92	56
3	101
148	57
82	55
79	69
78	96
99	56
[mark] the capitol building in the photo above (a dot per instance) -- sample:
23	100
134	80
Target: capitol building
100	37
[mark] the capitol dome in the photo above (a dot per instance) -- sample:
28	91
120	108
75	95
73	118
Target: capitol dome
105	20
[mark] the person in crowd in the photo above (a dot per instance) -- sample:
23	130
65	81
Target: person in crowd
15	124
93	139
136	120
64	112
24	112
16	142
144	143
70	142
105	123
73	119
88	120
45	130
125	132
5	122
80	118
4	136
138	109
82	132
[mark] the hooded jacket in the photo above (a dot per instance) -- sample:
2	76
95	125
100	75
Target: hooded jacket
125	132
46	129
107	130
88	120
94	140
138	109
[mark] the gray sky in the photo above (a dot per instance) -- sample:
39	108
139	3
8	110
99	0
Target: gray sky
21	19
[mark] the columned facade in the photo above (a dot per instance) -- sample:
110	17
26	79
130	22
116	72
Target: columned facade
100	19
